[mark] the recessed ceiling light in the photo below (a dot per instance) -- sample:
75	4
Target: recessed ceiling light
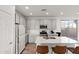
77	13
27	7
61	13
47	13
30	13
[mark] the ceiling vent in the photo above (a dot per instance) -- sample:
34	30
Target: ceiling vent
43	9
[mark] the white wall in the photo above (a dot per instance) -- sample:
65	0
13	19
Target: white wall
78	30
33	25
7	29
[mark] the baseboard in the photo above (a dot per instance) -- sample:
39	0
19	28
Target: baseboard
22	51
24	48
26	43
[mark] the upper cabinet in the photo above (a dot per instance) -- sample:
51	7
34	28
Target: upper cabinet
50	22
17	18
33	23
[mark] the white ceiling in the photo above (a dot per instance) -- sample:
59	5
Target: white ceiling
53	10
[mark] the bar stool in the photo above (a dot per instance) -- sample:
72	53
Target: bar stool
74	50
59	49
42	49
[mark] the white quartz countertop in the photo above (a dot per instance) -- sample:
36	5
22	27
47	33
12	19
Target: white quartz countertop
57	40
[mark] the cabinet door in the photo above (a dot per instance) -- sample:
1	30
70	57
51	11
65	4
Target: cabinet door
6	32
17	18
53	24
21	38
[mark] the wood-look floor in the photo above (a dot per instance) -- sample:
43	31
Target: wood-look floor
30	49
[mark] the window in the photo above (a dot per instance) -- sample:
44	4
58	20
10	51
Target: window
69	29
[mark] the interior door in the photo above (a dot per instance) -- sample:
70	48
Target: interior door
6	37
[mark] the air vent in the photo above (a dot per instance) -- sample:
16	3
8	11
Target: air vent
43	9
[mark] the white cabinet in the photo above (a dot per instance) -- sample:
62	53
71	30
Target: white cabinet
21	38
17	20
53	24
21	30
33	26
22	34
49	21
34	30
